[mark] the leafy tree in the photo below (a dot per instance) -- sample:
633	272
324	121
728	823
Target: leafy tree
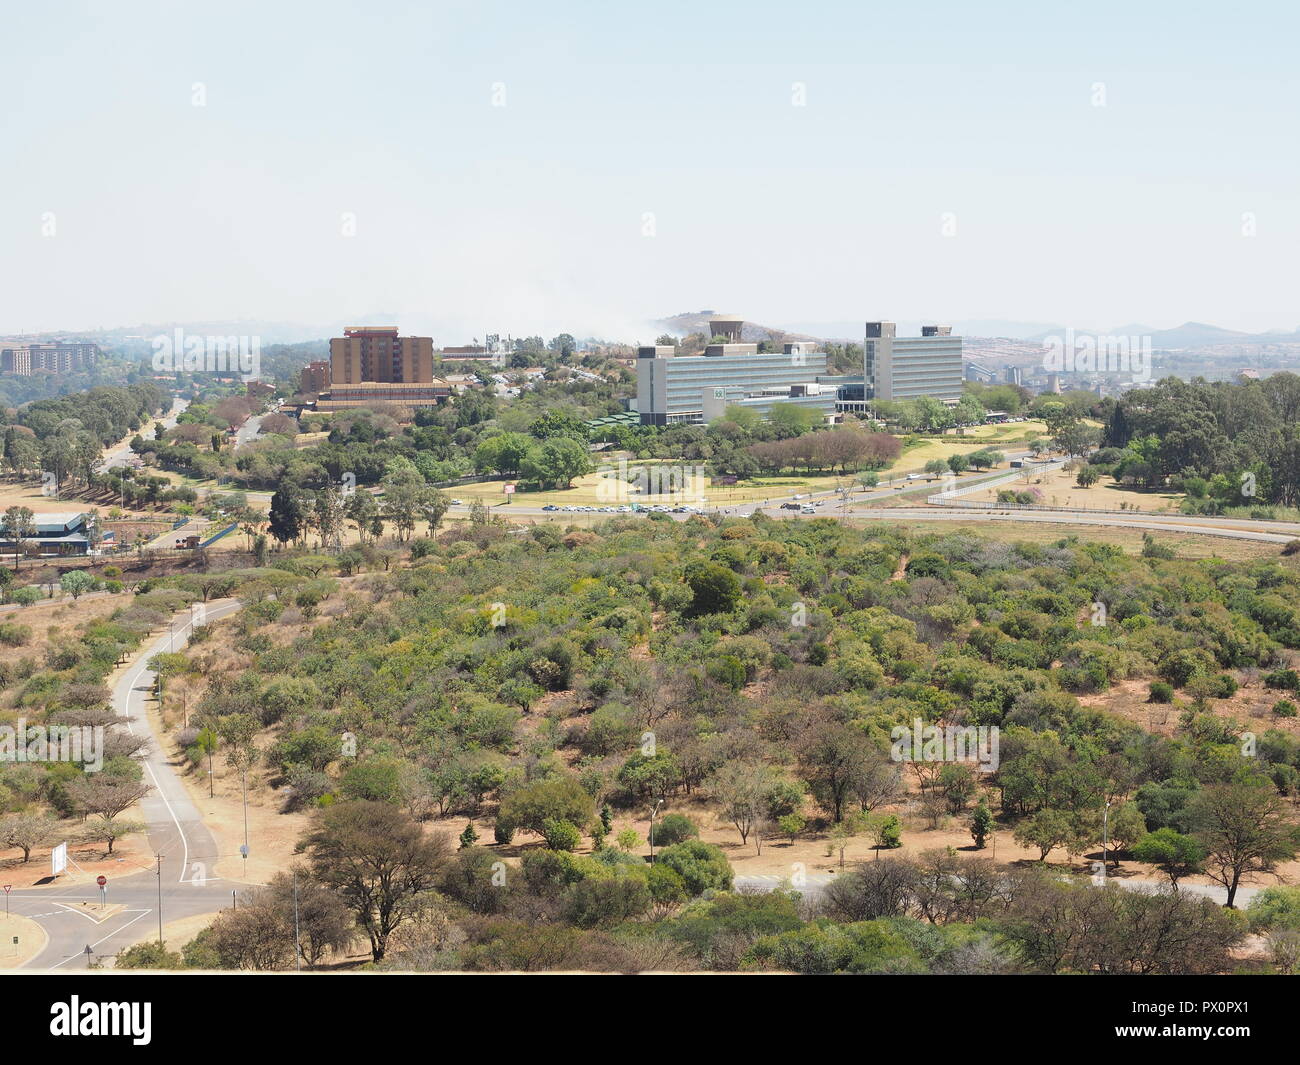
559	798
715	589
288	515
375	780
981	825
1049	829
888	831
556	461
75	582
1176	855
406	497
18	524
1245	829
379	862
792	825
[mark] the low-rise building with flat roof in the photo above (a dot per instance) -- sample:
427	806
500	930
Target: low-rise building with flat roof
56	533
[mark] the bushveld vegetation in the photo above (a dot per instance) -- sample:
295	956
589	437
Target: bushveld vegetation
548	682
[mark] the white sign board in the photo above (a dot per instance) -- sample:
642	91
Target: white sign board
59	859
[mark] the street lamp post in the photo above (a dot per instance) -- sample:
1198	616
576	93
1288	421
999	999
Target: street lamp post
652	830
1105	837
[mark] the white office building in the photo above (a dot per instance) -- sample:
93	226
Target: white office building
699	388
897	367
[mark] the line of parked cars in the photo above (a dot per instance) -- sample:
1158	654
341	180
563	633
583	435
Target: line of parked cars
657	508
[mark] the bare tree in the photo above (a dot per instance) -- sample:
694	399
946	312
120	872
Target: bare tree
26	831
106	795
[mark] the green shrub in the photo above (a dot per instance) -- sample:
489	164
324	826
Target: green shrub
149	955
1161	692
1223	687
702	866
1284	679
13	635
890	833
673	828
560	835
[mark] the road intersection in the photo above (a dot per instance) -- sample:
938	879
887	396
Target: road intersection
181	883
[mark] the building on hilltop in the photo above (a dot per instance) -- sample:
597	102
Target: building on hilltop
373	364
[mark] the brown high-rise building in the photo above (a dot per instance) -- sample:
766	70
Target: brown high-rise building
372	364
315	376
379	354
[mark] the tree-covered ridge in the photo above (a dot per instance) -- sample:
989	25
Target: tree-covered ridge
753	640
545	682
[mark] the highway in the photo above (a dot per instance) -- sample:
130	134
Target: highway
1273	532
867	505
176	831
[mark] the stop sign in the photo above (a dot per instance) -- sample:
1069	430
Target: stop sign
101	880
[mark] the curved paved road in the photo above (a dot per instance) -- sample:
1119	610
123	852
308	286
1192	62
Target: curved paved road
176	831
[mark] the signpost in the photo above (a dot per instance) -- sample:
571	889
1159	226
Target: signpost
8	888
102	881
59	859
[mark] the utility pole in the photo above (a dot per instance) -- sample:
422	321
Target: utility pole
160	935
243	778
297	936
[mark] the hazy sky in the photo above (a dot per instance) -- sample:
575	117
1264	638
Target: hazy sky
648	159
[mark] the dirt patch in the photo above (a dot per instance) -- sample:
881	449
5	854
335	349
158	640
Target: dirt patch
31	940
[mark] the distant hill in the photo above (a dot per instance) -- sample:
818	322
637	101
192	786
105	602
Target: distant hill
681	325
1196	335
